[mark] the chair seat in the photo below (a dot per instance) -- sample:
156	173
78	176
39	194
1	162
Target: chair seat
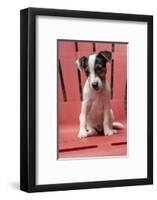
70	146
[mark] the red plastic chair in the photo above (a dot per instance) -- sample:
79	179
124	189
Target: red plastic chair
71	83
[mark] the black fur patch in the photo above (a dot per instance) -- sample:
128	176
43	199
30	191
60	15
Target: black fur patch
100	66
106	54
84	64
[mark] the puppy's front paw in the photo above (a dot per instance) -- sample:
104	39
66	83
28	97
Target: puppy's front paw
82	134
109	132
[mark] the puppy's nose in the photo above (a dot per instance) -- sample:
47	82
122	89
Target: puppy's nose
95	85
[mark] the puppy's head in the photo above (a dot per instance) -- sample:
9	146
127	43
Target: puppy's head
94	67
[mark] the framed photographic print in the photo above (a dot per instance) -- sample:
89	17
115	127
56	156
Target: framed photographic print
86	99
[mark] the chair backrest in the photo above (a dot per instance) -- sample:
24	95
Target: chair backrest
71	80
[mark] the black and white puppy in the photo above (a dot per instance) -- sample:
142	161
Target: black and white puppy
96	113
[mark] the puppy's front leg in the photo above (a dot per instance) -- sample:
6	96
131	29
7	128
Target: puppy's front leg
86	106
108	122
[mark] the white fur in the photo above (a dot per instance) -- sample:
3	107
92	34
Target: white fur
96	112
93	78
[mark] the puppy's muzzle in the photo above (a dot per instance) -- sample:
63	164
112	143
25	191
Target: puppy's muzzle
95	85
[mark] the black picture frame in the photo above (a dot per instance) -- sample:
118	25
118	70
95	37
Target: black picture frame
28	99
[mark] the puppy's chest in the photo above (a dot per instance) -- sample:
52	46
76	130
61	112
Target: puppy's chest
98	103
96	114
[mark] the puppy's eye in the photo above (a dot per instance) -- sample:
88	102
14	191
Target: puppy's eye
86	72
98	66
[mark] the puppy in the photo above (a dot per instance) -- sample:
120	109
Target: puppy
96	113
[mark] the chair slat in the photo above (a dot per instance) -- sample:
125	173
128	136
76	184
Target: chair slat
80	84
94	47
125	99
62	81
78	72
112	77
69	69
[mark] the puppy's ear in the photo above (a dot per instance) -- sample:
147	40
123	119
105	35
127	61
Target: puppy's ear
82	63
107	55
